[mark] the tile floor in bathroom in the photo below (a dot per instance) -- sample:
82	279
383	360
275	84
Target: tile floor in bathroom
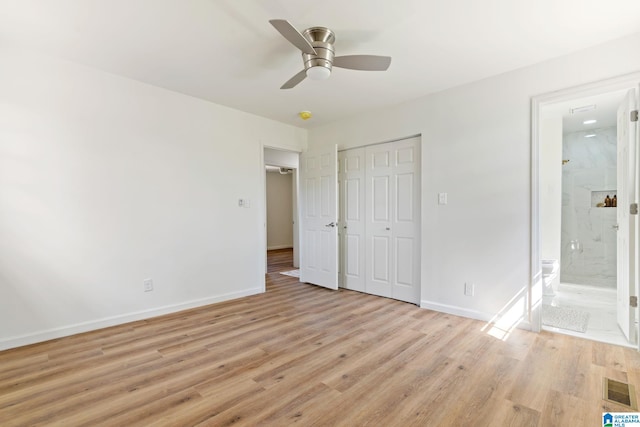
599	303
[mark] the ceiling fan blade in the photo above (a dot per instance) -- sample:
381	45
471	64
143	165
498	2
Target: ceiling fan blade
290	33
363	62
293	81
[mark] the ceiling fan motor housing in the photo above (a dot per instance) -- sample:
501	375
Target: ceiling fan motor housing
322	40
318	55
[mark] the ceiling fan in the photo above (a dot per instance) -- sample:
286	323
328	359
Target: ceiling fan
316	44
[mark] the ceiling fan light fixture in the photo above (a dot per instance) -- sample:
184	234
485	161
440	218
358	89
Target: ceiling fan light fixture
318	54
318	72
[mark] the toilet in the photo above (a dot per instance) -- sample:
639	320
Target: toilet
550	269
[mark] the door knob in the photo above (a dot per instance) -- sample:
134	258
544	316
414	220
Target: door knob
331	224
616	227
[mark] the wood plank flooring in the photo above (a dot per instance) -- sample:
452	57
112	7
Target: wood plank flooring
304	355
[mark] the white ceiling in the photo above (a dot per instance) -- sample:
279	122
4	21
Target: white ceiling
226	51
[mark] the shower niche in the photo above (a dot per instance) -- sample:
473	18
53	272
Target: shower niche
604	199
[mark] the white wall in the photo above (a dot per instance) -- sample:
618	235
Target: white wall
551	189
279	210
104	182
477	147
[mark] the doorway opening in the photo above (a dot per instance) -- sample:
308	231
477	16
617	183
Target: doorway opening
582	278
281	202
280	187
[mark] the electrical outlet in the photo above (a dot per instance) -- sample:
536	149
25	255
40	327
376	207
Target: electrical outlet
469	289
148	285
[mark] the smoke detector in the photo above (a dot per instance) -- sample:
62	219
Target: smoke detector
305	115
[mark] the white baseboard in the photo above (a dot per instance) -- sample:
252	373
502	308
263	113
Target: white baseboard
465	312
455	310
271	248
92	325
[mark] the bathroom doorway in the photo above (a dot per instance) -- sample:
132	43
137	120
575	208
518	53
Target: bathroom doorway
578	187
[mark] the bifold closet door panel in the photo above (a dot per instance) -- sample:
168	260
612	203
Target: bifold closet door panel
393	220
379	203
351	232
405	227
379	219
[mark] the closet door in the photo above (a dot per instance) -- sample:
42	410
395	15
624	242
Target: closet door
393	220
378	201
405	228
351	223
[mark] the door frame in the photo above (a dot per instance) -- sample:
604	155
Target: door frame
627	81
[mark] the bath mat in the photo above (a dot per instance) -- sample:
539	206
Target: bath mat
565	318
292	273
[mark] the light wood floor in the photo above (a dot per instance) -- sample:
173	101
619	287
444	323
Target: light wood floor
304	355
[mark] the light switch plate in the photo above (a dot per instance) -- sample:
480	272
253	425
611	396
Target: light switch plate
442	198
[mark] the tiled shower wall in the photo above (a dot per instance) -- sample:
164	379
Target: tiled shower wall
588	235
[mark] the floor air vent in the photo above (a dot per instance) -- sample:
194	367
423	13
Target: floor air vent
620	393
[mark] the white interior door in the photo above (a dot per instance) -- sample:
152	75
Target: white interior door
626	131
318	217
406	221
379	160
351	222
634	223
393	220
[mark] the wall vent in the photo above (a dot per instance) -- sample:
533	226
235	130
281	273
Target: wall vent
583	109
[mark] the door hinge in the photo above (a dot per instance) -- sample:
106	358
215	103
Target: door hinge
633	209
633	301
634	115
